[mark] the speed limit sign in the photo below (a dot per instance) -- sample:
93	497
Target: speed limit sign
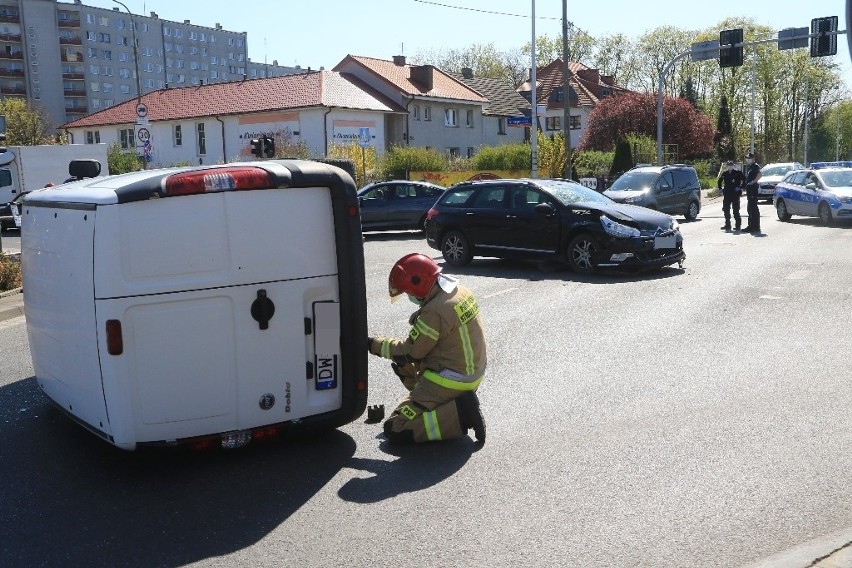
143	134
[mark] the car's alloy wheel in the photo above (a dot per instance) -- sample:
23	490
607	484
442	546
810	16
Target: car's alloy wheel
781	210
580	251
824	213
455	248
692	211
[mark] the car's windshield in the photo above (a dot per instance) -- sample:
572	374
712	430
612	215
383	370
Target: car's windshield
841	178
570	192
634	181
776	170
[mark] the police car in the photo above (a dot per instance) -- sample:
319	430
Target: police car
825	193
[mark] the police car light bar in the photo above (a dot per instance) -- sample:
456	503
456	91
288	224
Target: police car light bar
219	179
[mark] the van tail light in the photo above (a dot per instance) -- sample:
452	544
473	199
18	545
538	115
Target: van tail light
234	178
432	213
114	341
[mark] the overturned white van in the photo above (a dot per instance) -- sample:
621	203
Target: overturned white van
205	306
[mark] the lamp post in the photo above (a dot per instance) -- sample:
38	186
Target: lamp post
135	64
135	51
534	113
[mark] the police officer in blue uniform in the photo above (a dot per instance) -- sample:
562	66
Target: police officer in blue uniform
752	177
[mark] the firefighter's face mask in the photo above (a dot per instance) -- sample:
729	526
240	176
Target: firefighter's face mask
413	299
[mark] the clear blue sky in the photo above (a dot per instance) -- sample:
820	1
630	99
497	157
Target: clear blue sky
322	32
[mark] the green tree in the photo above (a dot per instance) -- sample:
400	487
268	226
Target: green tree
26	125
548	49
623	159
723	139
121	162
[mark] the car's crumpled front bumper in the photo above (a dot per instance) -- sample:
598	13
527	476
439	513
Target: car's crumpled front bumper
639	253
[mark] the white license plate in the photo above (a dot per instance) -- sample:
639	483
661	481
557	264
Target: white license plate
665	242
326	344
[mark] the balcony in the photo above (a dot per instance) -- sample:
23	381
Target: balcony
69	23
70	41
13	90
11	54
75	92
74	76
10	37
76	110
76	58
10	18
11	72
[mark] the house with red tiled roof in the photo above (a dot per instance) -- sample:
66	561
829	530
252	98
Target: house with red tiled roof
441	112
586	88
215	123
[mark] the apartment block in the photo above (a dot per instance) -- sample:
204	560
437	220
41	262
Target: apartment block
72	59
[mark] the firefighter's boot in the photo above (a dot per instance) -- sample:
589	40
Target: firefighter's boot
470	415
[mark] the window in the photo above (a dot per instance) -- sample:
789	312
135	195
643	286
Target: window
427	113
167	31
178	33
553	123
167	46
177	135
468	121
575	123
121	40
95	87
193	34
125	89
92	52
470	152
451	117
501	125
490	198
107	88
93	137
91	36
125	136
214	74
103	20
119	24
106	71
90	18
124	73
94	70
96	103
202	140
453	152
416	112
107	54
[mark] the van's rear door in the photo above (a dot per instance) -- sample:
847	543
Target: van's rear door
238	309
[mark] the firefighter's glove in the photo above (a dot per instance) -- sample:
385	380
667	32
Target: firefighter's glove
402	360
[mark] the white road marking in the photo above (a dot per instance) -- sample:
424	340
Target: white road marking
798	275
768	297
506	291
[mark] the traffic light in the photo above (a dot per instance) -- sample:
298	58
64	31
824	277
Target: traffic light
269	146
825	43
257	147
730	56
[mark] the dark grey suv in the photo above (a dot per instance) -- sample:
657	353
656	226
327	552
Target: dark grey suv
672	189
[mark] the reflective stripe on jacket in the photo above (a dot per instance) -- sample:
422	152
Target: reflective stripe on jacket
446	340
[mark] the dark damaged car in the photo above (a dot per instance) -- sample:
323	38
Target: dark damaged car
534	219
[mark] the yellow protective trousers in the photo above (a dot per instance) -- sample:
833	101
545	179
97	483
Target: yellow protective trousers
428	414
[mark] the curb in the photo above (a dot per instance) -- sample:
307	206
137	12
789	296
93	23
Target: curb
11	306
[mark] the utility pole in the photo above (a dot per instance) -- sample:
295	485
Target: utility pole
566	92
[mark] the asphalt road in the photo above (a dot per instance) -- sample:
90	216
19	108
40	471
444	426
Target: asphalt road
682	418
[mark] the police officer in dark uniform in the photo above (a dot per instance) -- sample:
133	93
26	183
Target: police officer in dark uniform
752	177
731	183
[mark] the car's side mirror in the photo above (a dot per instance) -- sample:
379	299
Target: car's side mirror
811	185
545	208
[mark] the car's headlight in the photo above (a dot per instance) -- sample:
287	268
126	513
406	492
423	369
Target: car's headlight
617	229
633	199
674	225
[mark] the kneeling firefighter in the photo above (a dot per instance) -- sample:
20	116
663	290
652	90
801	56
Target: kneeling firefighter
441	362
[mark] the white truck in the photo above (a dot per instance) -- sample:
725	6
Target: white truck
25	168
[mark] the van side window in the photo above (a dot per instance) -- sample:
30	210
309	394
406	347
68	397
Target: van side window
683	180
489	198
5	178
665	184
